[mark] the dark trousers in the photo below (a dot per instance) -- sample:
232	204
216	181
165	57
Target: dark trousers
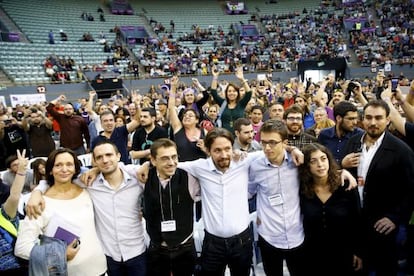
136	266
79	151
179	260
235	251
382	258
410	249
273	259
15	272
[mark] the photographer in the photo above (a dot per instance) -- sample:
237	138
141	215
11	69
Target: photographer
14	135
354	89
39	129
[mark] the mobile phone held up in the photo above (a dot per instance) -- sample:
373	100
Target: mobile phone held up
394	84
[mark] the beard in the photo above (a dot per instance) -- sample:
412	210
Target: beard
374	132
223	163
295	128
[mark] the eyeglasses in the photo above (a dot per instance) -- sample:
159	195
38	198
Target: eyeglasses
166	159
294	119
271	143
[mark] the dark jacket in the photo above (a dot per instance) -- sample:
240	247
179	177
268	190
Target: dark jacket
389	184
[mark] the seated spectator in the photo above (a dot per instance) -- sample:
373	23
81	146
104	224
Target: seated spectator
87	37
63	36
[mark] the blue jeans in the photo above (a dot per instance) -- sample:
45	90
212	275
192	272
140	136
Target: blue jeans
136	266
235	251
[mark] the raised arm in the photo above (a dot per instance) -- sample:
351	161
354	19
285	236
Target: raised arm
410	96
89	104
407	104
172	111
359	96
240	77
10	206
214	81
50	107
136	100
396	119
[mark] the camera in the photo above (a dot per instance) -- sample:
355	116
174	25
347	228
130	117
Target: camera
394	84
351	87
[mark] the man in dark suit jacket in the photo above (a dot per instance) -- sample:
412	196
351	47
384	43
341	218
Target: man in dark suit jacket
384	167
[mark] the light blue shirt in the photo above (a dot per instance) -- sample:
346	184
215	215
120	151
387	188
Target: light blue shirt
278	202
225	208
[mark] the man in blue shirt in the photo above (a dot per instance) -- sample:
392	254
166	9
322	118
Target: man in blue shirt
336	137
274	178
117	135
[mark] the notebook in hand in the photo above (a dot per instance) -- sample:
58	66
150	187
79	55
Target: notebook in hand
65	235
60	228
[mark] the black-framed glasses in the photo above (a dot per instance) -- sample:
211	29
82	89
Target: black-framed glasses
294	119
271	143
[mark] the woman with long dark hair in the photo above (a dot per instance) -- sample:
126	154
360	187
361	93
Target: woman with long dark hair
39	171
331	216
234	104
187	135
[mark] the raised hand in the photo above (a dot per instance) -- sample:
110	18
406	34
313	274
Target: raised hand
23	161
215	72
239	73
174	81
92	93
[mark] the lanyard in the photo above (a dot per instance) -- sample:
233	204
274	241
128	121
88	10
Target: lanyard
171	208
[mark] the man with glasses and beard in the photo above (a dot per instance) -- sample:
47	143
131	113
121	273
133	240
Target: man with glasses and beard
336	137
293	117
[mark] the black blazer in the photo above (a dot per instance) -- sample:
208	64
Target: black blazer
389	184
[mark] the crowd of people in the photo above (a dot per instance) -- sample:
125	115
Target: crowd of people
284	146
289	39
381	34
391	39
325	167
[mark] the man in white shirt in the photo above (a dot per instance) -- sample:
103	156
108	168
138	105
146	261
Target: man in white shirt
228	239
116	197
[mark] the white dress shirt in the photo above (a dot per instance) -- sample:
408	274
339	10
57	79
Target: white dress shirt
367	154
117	214
224	196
